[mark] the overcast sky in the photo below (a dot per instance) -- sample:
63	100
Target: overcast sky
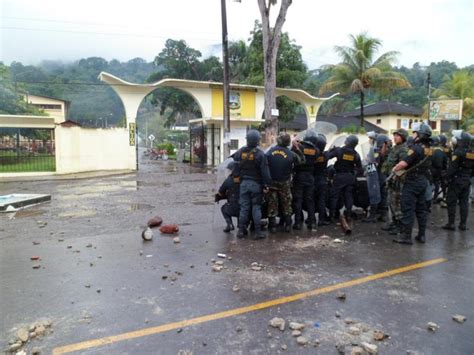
423	31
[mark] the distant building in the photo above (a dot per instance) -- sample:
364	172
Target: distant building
54	107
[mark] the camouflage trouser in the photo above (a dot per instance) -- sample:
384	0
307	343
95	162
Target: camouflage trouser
394	195
279	199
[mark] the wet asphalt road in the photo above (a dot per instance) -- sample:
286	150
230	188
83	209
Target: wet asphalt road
89	235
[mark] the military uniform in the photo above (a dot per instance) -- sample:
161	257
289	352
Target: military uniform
230	188
303	185
394	186
460	171
438	171
281	162
254	176
321	187
348	161
414	193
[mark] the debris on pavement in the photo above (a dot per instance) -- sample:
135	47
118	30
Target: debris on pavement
337	241
155	222
341	295
459	318
296	326
277	322
284	347
36	266
296	333
357	350
217	268
219	262
354	330
147	234
220	255
379	335
432	326
35	258
301	340
236	288
169	228
256	266
176	240
370	348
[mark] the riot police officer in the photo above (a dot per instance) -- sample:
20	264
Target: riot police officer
255	180
281	161
417	164
347	164
438	167
394	186
230	189
321	181
303	180
460	171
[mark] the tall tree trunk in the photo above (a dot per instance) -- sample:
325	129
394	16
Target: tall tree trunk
271	42
362	122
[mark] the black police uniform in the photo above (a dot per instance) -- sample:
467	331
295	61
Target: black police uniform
348	161
321	187
230	188
460	171
438	169
303	185
413	201
254	175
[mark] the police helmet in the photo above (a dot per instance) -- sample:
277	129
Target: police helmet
435	141
351	141
283	139
372	134
322	141
253	138
424	131
465	140
443	140
381	140
402	133
410	141
311	136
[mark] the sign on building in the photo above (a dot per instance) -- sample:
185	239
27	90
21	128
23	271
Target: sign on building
446	110
131	133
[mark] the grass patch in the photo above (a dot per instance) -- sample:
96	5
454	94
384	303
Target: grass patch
11	163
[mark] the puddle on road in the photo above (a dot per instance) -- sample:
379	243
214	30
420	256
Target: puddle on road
78	214
29	213
140	206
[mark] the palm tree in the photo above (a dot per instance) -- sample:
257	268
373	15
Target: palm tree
359	72
460	86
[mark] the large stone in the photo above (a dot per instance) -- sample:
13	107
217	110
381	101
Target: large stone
432	326
296	333
302	340
296	326
22	335
40	330
354	330
341	295
277	323
459	318
216	268
378	335
357	350
370	348
14	347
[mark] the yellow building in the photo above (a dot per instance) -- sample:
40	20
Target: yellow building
391	116
54	107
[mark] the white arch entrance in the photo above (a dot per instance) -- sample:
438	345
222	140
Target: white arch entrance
247	109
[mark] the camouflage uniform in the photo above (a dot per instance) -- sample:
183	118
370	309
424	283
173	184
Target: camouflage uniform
394	186
280	197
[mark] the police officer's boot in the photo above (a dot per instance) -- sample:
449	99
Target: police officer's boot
462	226
287	224
397	229
272	225
323	220
230	225
389	226
450	225
242	233
404	237
382	217
420	238
371	217
259	234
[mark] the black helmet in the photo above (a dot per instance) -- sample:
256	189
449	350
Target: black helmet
351	141
322	141
424	131
435	141
443	140
402	133
311	136
410	141
381	140
253	138
465	140
283	139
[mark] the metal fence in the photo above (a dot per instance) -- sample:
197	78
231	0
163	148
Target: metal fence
27	150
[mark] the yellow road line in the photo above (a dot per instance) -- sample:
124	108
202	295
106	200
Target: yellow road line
234	312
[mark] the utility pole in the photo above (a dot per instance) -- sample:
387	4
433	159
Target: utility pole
225	82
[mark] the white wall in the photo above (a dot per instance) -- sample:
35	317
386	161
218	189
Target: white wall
85	149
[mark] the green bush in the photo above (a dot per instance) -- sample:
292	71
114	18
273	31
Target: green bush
349	129
166	146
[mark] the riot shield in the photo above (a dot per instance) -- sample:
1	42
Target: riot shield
373	184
